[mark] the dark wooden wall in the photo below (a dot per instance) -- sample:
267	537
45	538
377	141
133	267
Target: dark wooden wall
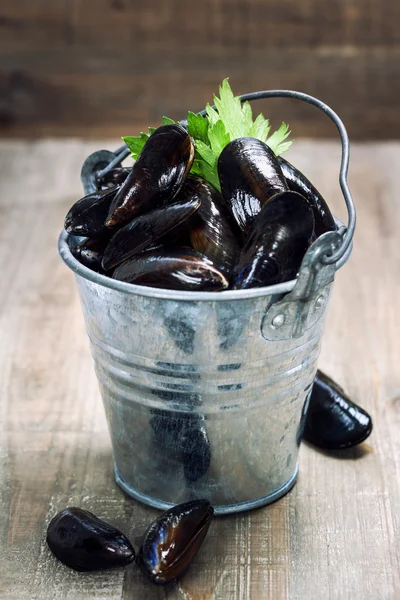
108	67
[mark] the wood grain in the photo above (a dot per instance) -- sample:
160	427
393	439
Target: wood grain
335	536
111	67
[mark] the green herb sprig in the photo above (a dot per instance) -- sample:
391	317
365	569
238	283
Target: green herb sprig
230	119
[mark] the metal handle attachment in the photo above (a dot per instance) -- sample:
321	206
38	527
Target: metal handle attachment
301	308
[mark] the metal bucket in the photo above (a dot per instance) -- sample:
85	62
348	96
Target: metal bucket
206	393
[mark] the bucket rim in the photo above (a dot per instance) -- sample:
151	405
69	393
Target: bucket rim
161	293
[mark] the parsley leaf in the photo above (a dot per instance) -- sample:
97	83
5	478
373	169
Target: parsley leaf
202	169
229	120
136	143
198	127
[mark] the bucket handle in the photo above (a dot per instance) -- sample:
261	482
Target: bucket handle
342	251
346	232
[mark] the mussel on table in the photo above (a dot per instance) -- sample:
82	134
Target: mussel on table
156	176
85	543
87	216
277	243
250	175
173	540
334	421
298	182
179	269
143	231
212	230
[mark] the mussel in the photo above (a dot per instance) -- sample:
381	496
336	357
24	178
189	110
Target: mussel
250	175
278	241
156	176
145	230
298	182
178	237
115	176
90	253
179	269
85	543
212	230
87	216
334	421
173	540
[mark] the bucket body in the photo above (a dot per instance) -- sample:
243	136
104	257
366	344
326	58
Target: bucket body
200	402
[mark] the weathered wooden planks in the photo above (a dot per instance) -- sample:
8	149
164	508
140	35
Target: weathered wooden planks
336	535
109	67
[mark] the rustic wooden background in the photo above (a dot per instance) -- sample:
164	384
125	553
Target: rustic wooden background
336	536
108	67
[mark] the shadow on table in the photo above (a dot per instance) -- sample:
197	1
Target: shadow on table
346	454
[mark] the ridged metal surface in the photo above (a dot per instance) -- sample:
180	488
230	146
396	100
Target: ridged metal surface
167	367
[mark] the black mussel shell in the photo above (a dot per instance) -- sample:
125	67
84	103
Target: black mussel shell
90	253
250	175
85	543
87	216
278	241
298	182
212	229
156	176
333	421
178	237
115	176
173	540
74	243
95	163
143	231
179	269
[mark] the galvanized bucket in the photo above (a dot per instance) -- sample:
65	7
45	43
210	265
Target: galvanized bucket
206	393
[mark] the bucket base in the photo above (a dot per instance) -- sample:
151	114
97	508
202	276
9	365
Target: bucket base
222	509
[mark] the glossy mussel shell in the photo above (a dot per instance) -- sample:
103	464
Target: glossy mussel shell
334	421
142	232
90	253
212	230
85	543
276	246
250	175
173	540
87	216
179	269
156	176
115	176
298	182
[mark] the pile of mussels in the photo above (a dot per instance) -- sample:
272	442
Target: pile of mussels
156	225
84	542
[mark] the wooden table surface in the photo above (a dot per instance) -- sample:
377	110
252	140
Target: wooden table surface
336	535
